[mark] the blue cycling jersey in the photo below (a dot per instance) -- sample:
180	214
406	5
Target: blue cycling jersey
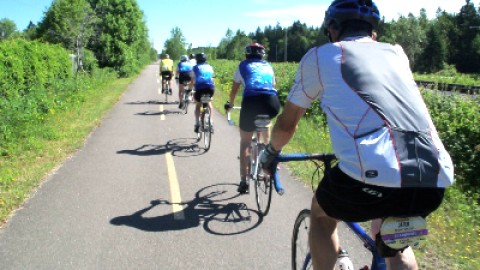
257	76
184	67
203	76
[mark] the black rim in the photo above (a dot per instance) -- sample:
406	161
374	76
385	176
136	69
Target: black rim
206	129
300	224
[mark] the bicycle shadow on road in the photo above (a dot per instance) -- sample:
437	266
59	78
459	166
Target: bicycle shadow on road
181	147
156	113
151	102
211	208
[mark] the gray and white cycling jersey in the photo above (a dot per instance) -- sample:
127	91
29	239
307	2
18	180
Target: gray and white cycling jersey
380	127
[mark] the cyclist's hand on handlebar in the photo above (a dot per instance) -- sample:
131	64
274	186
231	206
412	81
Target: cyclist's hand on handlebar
227	106
267	157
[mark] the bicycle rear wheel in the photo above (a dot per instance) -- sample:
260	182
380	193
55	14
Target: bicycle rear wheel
301	259
262	182
167	89
207	128
186	99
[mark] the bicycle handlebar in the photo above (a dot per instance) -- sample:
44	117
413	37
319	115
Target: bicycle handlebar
326	158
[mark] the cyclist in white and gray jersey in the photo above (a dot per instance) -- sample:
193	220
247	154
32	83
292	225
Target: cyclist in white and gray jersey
391	160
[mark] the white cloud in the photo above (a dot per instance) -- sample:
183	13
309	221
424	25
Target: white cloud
391	11
311	15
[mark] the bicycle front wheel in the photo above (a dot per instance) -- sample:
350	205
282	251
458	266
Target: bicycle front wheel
207	129
186	99
301	259
262	182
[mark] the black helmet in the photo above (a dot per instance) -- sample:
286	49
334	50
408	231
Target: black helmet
192	56
345	10
201	57
255	50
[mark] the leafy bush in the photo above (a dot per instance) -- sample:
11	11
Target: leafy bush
457	117
36	80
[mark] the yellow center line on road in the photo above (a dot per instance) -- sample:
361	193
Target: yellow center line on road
162	116
176	199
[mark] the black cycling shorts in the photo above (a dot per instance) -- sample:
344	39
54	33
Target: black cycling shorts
204	91
347	199
255	105
167	75
185	77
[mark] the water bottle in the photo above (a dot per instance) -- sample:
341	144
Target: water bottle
343	261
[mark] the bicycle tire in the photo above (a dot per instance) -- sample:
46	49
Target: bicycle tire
207	128
167	89
263	187
186	99
301	259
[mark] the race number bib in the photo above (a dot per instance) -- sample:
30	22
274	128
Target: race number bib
398	233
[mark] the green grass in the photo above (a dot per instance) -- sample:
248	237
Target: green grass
23	170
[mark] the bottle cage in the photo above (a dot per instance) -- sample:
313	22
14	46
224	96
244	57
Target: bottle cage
398	233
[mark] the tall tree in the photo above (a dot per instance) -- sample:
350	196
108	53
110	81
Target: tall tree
121	39
8	28
235	50
434	56
466	60
70	23
176	45
222	46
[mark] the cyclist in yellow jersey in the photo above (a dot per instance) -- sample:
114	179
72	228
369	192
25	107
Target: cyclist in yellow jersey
166	71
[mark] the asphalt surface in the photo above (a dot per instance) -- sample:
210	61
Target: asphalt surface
142	194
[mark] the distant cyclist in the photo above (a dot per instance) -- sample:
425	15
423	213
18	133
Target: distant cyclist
166	71
259	97
184	73
391	161
204	85
192	60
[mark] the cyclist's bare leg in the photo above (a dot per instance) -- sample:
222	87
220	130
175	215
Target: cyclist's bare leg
245	141
265	136
211	110
163	83
181	90
197	112
404	260
323	238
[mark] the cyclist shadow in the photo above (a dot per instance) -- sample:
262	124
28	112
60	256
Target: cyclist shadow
151	102
165	112
209	208
180	147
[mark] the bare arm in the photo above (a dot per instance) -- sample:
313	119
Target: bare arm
286	125
233	93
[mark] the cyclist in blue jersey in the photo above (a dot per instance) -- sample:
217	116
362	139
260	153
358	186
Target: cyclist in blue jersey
391	161
204	84
259	97
184	74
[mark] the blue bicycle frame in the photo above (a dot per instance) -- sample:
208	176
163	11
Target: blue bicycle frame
378	263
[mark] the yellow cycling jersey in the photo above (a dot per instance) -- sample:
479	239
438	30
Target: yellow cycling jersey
166	65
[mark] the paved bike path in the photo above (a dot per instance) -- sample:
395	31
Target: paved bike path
141	195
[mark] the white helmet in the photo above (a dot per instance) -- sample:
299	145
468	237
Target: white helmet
184	58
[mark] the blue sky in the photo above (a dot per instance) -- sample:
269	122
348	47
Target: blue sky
205	22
